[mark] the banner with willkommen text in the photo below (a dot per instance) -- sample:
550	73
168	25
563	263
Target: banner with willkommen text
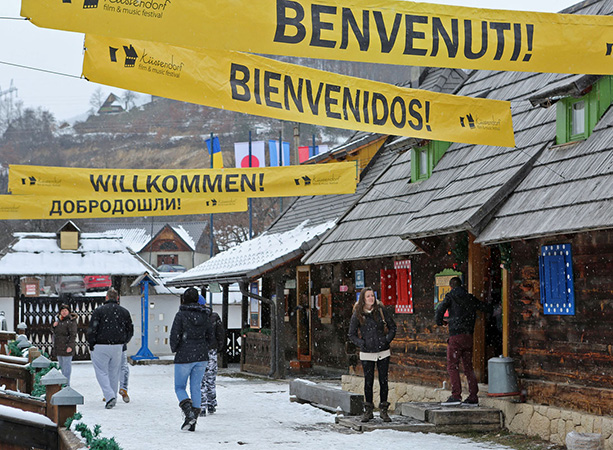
390	31
262	86
288	181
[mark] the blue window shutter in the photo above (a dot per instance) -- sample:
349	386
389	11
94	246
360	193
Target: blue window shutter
556	279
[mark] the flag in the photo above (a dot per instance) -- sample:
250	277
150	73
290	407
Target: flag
273	151
217	155
303	153
307	152
258	154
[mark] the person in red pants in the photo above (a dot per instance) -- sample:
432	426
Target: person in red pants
462	307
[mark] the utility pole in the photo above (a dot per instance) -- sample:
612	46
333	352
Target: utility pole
296	158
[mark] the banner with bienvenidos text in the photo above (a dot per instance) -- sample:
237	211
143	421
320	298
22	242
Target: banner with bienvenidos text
262	86
390	31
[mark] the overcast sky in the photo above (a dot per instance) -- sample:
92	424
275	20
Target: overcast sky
67	96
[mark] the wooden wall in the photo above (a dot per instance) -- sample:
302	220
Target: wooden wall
566	360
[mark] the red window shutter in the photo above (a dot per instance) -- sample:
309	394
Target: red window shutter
404	289
388	287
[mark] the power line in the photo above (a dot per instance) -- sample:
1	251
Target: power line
40	70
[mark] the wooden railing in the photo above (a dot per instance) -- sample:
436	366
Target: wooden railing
256	353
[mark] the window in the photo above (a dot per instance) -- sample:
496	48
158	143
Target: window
425	157
396	287
577	117
556	280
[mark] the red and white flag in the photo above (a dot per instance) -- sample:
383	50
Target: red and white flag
258	154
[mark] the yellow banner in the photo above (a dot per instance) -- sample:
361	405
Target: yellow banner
261	86
71	206
286	181
392	32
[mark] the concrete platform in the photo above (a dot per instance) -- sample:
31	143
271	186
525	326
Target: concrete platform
326	397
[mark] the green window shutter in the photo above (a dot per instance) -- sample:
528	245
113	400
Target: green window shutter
440	147
562	122
424	158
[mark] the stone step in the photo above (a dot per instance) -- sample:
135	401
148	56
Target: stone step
459	415
403	423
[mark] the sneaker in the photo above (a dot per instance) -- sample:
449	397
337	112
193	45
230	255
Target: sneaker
452	401
211	409
470	402
111	403
124	395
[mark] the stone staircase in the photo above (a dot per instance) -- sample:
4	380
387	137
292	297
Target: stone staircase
431	418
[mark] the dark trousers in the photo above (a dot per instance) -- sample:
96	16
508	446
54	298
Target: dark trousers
383	366
460	348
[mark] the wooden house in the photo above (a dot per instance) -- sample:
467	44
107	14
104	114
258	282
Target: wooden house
303	309
529	229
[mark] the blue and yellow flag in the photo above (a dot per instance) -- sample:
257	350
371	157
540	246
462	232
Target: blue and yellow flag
217	155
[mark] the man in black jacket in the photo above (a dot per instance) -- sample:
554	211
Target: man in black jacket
462	307
109	329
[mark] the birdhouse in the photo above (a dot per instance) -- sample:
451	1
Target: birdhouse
68	236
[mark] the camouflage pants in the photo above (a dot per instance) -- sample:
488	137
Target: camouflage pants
208	390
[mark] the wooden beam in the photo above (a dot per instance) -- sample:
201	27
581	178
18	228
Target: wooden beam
506	312
478	257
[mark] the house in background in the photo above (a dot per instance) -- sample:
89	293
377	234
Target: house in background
112	105
158	243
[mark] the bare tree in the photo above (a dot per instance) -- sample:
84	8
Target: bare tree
96	100
129	99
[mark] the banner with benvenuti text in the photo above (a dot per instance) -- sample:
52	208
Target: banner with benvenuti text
288	181
378	31
262	86
75	206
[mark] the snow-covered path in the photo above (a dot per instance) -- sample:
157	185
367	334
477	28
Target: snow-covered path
252	413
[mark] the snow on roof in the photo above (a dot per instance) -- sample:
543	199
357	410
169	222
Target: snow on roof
183	234
39	254
133	238
268	249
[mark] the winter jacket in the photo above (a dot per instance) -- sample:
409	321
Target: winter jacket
372	337
462	307
65	335
219	334
191	334
110	324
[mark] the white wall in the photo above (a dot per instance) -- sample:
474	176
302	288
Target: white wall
6	305
162	310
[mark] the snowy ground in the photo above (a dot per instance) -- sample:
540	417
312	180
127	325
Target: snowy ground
252	413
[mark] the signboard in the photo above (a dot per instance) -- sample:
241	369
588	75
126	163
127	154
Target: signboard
441	285
218	184
261	86
359	279
389	32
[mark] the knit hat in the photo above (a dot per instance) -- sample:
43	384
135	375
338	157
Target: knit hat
64	306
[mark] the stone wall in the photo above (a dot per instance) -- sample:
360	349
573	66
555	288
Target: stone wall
546	422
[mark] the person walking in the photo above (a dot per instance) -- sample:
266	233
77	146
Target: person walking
372	329
125	375
462	307
109	329
190	335
208	389
65	339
